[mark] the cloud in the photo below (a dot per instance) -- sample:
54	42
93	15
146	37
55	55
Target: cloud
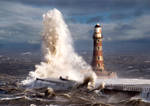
139	12
95	19
119	16
135	29
114	31
81	31
89	6
20	23
124	27
21	20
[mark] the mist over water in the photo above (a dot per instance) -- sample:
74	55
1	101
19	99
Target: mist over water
59	57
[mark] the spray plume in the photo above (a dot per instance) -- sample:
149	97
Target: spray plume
60	58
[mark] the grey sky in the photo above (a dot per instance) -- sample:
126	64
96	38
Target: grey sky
21	20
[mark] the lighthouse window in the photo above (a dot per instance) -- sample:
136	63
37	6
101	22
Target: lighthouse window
99	48
98	40
98	65
99	58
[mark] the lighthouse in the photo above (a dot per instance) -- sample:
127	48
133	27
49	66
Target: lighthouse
98	62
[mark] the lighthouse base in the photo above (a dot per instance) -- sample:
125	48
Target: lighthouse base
105	74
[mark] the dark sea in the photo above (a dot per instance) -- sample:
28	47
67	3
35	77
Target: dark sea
15	66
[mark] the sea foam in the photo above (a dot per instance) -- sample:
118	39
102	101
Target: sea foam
59	57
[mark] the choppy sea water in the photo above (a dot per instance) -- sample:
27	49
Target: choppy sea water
12	94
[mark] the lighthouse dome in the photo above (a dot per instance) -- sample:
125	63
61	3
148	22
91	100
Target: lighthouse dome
97	25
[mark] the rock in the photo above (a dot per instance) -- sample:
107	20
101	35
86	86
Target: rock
49	92
99	88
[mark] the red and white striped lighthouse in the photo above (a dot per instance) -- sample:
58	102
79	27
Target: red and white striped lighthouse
98	62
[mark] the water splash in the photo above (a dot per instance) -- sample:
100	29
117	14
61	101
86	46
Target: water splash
60	58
